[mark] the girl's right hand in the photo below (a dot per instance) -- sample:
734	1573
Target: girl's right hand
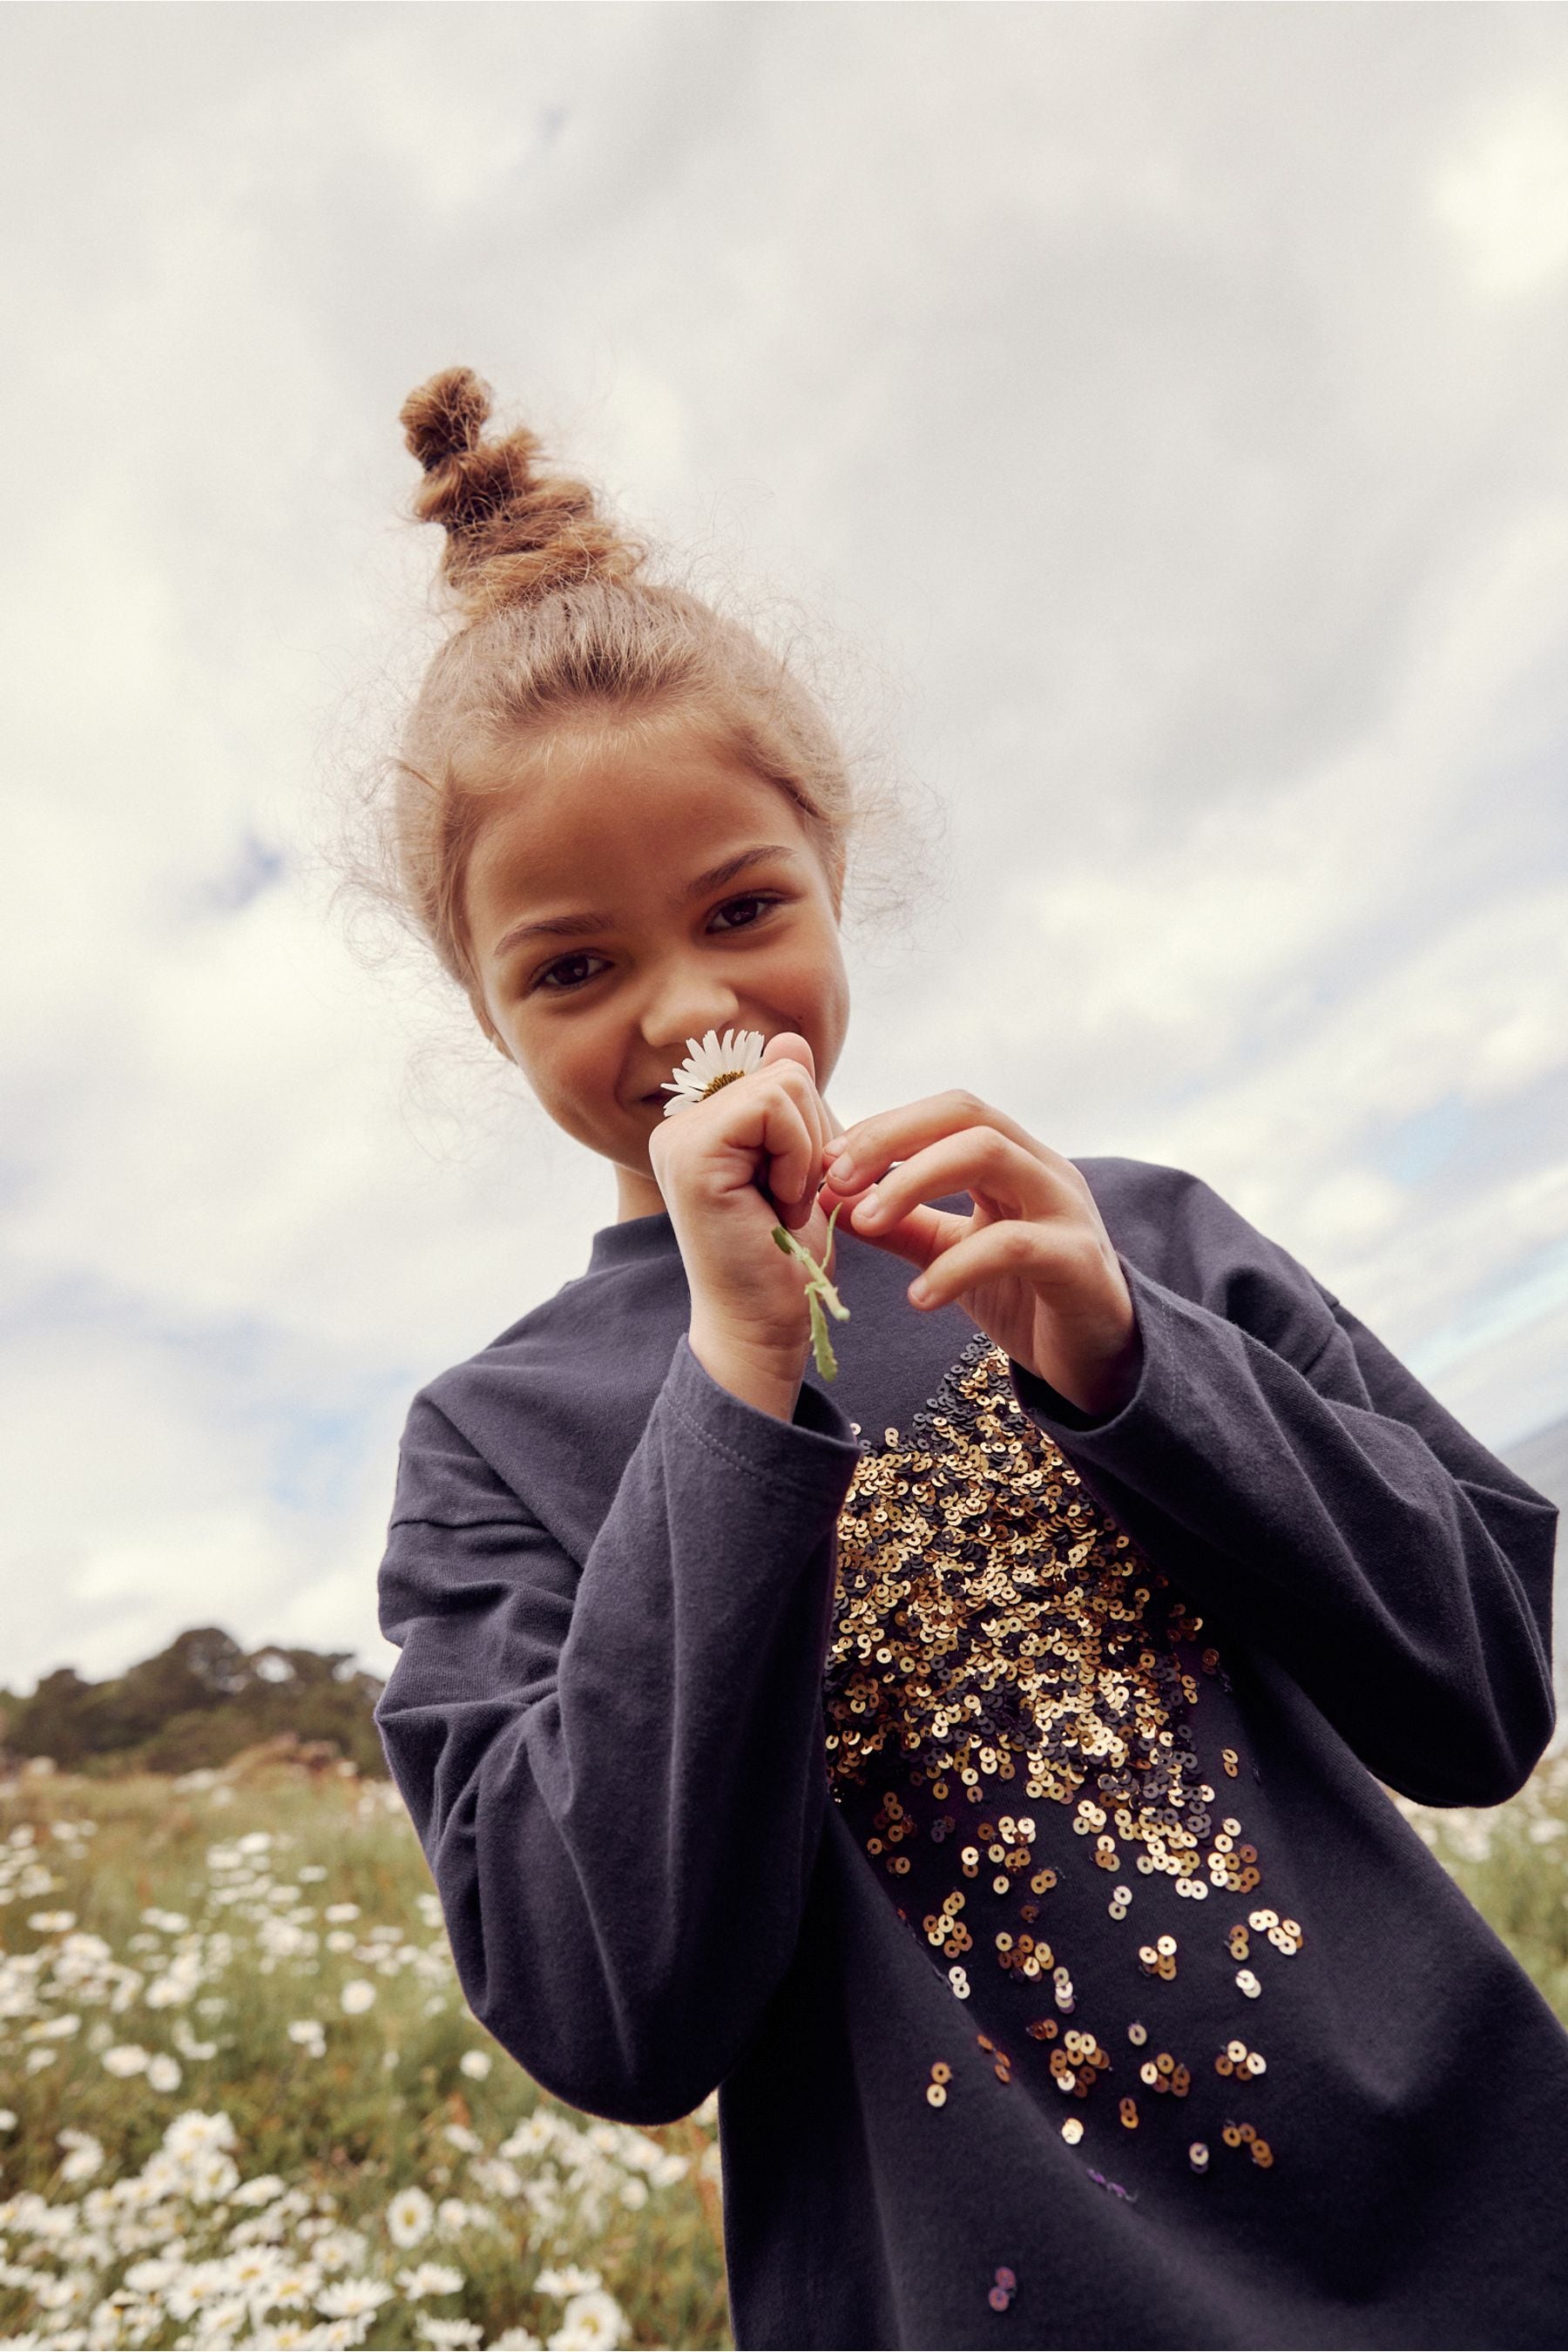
750	1325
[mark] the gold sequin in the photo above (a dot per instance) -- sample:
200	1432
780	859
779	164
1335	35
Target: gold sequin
1072	2131
998	1638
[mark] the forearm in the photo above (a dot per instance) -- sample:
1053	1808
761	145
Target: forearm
1364	1540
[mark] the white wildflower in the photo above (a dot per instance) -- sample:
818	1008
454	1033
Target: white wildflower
197	2285
84	2156
125	2059
409	2217
338	1911
164	2072
448	2332
475	2064
52	1923
153	2275
292	2287
309	2034
568	2280
357	1995
592	2319
341	2250
352	2298
459	2136
194	2131
8	2119
716	1062
260	2192
429	2278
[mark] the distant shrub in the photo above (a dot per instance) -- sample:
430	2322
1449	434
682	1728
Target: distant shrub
196	1704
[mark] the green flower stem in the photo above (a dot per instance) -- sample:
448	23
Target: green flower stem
819	1293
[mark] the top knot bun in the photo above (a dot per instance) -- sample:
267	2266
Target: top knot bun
513	535
445	418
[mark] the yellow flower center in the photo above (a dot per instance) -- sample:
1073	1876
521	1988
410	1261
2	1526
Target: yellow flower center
725	1078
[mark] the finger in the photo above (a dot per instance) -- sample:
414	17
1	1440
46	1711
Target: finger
792	1141
979	1160
1011	1249
794	1072
789	1046
868	1148
920	1236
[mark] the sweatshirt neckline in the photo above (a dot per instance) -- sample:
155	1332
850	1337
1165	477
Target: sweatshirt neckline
636	1240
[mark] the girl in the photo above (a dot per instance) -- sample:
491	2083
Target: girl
970	1766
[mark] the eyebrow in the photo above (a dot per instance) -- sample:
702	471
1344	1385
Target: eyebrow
578	926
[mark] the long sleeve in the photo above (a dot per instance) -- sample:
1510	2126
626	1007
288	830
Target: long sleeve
615	1768
1296	1479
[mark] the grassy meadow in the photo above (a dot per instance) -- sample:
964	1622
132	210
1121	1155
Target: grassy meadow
242	2102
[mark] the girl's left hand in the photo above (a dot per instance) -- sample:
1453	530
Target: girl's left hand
1034	1266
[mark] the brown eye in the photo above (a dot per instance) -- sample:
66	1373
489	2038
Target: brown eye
568	973
750	910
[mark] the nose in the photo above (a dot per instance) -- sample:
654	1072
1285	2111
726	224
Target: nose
685	1001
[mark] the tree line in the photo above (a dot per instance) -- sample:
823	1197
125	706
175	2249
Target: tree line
198	1703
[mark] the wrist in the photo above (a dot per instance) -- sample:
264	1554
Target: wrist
759	1375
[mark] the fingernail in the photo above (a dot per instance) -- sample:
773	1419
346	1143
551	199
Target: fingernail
835	1143
920	1291
842	1168
867	1208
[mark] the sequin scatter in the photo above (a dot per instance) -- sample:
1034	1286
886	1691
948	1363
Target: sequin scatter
936	2089
1072	2131
1002	2288
990	1619
1198	2156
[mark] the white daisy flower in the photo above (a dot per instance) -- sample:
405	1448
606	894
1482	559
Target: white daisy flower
352	2298
475	2064
568	2280
84	2155
409	2217
194	2132
357	1995
164	2072
716	1062
591	2320
429	2278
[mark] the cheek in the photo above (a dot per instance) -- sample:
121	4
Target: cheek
571	1069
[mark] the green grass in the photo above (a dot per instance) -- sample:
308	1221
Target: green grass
197	1921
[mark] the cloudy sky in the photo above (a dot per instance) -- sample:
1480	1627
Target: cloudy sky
1148	421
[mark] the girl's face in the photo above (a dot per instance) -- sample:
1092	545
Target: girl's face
631	893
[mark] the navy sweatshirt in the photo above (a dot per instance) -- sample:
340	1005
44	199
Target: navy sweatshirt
984	1796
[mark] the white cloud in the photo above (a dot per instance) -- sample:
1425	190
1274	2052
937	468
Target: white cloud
1108	377
1505	197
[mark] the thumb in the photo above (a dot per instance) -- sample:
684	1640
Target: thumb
789	1046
